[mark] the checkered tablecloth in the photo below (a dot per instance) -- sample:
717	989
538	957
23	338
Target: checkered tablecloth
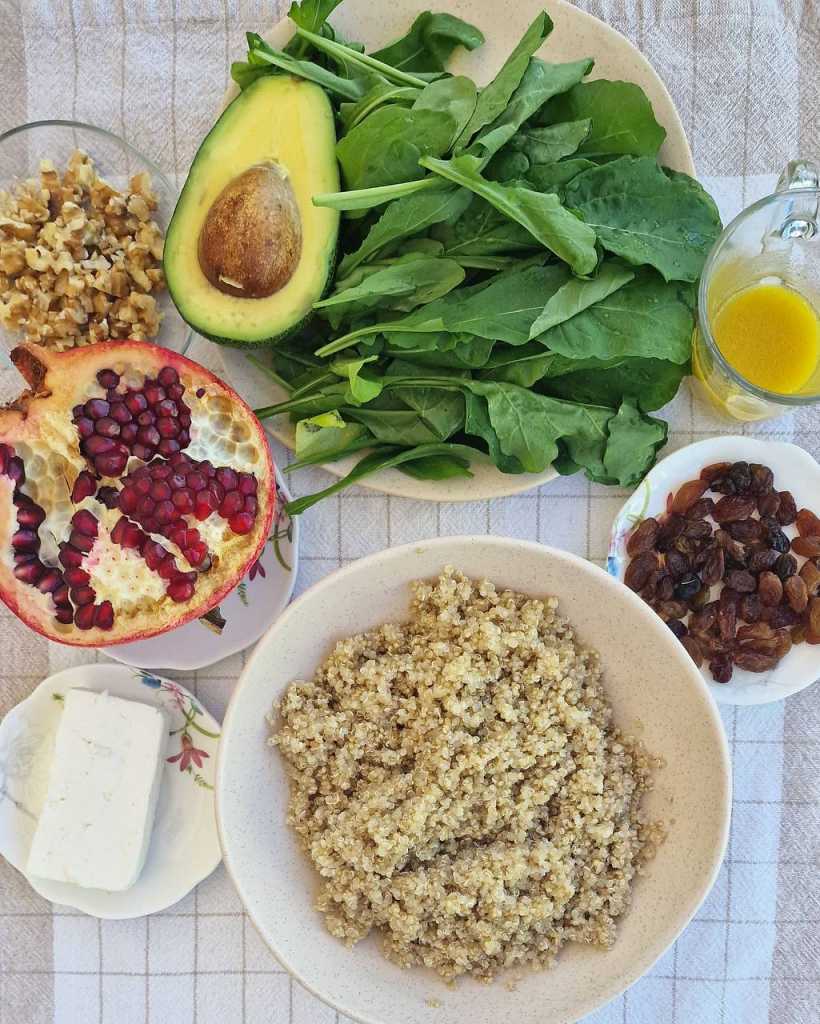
745	75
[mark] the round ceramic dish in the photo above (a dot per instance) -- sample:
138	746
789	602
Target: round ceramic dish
794	470
656	692
249	610
21	150
184	846
576	35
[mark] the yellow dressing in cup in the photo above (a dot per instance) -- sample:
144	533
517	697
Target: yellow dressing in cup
770	334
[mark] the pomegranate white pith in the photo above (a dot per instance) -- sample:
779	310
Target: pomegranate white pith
135	491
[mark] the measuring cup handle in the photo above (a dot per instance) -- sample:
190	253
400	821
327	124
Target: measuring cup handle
802	177
799	174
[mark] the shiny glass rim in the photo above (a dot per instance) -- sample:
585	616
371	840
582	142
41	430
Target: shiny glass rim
775	397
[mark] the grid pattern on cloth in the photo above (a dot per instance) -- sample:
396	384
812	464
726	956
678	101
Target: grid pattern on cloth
744	76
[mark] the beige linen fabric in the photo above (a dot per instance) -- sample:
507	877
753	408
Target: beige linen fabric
746	79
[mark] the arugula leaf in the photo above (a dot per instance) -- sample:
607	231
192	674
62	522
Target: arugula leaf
646	217
634	441
464	352
405	217
367	198
550	143
495	97
360	389
401	286
541	214
429	43
346	56
481	231
645	318
351	114
622	118
395	426
651	382
326	434
456	97
578	294
312	14
436	467
259	52
554	177
541	81
389	458
385	148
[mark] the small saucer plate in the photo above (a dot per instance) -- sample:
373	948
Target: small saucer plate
184	844
249	610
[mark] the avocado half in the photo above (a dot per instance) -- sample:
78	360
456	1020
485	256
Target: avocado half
246	252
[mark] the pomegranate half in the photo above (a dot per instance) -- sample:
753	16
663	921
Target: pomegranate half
135	491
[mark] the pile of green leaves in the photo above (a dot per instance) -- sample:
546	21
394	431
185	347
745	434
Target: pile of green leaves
517	273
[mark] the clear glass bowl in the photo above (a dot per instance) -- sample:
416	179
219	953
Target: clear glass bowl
21	150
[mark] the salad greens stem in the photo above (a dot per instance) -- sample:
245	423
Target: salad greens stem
354	57
304	69
365	198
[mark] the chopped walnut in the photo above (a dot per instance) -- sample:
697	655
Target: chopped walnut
79	261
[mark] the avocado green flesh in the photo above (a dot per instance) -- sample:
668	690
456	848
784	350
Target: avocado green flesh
278	119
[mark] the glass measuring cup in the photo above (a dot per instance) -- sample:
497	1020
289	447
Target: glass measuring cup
774	241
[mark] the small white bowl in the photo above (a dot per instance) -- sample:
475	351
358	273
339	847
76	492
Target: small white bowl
184	846
794	470
656	693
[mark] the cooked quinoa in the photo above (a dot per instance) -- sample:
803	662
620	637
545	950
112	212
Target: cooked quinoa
459	785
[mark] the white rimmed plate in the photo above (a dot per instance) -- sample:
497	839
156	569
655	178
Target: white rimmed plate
184	845
794	470
656	693
248	611
576	35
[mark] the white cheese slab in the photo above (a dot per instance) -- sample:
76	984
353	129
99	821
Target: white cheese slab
95	827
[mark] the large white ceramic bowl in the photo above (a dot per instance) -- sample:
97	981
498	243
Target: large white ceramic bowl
794	470
657	694
576	35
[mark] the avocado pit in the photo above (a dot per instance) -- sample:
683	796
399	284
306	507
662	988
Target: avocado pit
251	241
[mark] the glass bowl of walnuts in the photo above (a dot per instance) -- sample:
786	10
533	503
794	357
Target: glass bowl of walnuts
83	216
722	540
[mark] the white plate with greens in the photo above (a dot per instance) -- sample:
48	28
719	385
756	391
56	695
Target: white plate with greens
576	35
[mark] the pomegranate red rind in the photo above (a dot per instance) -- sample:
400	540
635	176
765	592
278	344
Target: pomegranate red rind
126	424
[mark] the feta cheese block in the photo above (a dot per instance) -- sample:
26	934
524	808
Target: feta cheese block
103	786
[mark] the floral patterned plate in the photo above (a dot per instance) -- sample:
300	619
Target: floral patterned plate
794	470
184	845
249	611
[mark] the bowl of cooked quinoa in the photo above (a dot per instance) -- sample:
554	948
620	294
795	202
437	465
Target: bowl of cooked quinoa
471	779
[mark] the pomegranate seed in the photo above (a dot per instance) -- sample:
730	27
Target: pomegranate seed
76	577
25	540
30	515
231	504
139	451
77	411
96	408
83	595
128	434
85	427
160	470
165	512
176	481
60	595
16	471
65	614
168	567
146	419
134	537
84	486
145	506
228	478
30	571
104	615
185	418
107	427
109	496
181	462
112	463
167	408
178	535
196	554
49	581
154	394
153	553
247	483
180	590
160	491
120	413
168	446
21	557
241	523
108	378
85	522
167	427
118	532
167	376
84	617
81	541
216	489
143	485
196	481
128	499
183	438
251	505
149	436
96	445
152	524
175	392
191	537
202	511
70	557
207	469
200	392
135	403
183	502
112	395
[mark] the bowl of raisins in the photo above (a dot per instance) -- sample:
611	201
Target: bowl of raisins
722	540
